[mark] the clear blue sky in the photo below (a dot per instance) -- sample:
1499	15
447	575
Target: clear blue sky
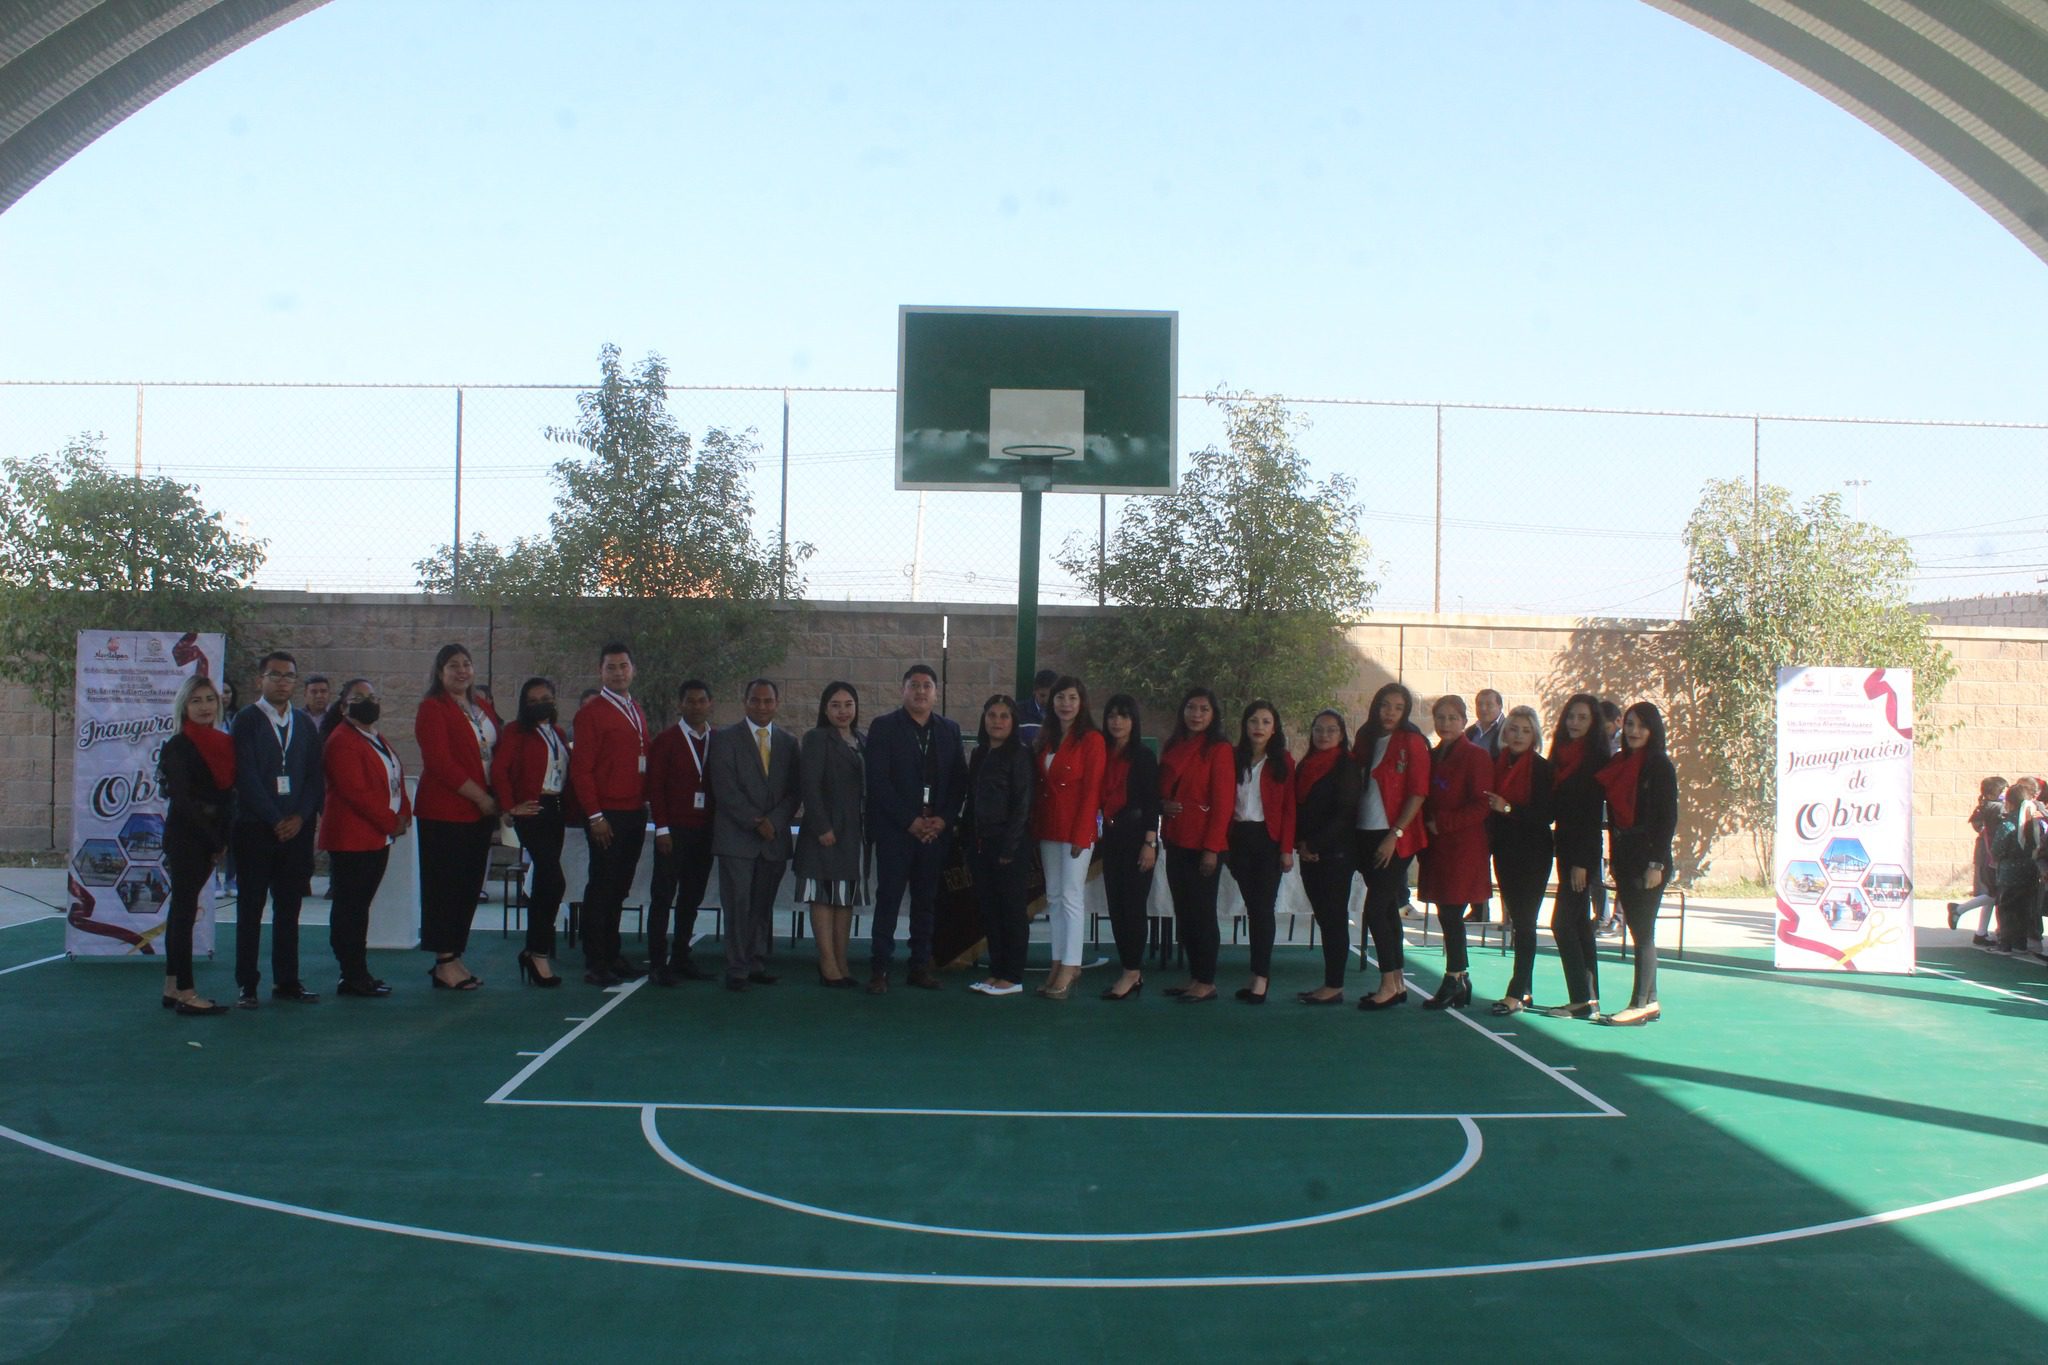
1570	203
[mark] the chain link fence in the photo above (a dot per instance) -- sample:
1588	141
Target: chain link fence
1469	507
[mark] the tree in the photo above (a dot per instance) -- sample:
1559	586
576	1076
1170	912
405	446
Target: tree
651	541
84	547
1243	580
1777	585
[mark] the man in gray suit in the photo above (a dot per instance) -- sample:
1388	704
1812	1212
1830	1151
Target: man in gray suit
752	769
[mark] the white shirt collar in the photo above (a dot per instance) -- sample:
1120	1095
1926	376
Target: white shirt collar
684	726
279	716
757	729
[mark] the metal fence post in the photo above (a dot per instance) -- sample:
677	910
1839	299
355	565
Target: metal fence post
1436	592
455	553
1101	549
782	559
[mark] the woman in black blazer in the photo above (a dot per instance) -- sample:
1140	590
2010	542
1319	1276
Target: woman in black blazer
832	843
1518	828
1642	797
998	823
1326	791
1578	751
1129	846
197	769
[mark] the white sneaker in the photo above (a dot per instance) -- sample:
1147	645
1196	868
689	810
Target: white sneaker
1012	989
981	986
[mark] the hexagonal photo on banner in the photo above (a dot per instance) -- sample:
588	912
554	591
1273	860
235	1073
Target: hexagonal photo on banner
1887	885
99	862
143	837
1844	907
1845	859
1804	881
143	889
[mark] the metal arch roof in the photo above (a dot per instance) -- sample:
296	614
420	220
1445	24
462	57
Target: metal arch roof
1961	84
72	69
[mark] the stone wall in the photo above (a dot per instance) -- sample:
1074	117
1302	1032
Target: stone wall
2024	609
1994	716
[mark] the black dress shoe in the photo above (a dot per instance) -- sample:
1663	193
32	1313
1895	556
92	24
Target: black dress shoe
1370	1004
1311	998
763	978
690	971
736	983
662	976
1188	998
1454	993
196	1008
369	988
878	984
246	1000
924	979
297	992
597	976
626	971
1250	996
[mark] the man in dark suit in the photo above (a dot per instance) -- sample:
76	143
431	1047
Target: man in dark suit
917	780
279	787
752	769
1485	732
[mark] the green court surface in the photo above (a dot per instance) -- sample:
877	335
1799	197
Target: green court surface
1786	1168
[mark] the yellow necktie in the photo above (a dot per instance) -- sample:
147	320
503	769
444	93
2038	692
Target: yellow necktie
761	739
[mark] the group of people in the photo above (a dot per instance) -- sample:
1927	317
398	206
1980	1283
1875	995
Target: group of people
2010	866
1486	806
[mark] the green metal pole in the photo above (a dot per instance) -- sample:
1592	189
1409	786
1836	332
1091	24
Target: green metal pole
1027	587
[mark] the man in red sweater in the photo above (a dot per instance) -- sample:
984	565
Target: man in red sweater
679	799
608	769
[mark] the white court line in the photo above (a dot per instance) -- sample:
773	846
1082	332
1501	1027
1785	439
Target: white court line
37	919
859	1111
55	957
1022	1281
1546	1068
618	998
1474	1149
1981	985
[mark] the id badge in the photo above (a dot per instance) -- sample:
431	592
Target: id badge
643	763
284	785
699	800
927	796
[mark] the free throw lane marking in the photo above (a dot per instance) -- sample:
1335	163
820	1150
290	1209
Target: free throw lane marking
1474	1148
1022	1281
54	957
618	993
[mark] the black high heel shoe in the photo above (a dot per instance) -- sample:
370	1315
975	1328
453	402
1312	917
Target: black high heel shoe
1250	996
530	974
1130	994
1455	993
1369	1004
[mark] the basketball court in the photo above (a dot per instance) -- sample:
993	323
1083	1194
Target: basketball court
1790	1166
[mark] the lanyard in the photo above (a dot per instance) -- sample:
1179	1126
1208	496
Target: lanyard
690	743
629	711
283	734
476	723
547	734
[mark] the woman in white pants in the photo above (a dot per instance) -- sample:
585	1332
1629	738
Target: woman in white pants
1069	756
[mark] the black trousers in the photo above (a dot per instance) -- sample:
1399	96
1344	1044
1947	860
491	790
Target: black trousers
541	836
1521	894
1128	890
1639	907
905	864
1194	910
1386	891
999	893
2019	916
679	880
1328	883
275	872
611	881
454	857
1572	924
1451	918
190	863
352	884
1255	867
746	890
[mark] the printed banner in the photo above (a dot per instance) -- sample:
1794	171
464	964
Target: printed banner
120	888
1844	860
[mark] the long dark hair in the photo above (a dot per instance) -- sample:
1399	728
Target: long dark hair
982	744
1123	704
441	658
1049	731
334	714
1277	758
1652	720
833	689
1180	719
1597	752
1369	729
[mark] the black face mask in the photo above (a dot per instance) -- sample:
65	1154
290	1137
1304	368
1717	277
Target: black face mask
537	713
364	711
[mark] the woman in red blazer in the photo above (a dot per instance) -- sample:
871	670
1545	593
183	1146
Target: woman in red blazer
1394	756
1197	792
1261	831
456	733
1069	756
530	783
1456	867
365	809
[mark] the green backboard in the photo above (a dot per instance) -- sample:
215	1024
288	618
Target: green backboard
1076	400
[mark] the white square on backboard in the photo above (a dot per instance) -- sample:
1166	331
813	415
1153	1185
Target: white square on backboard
1036	424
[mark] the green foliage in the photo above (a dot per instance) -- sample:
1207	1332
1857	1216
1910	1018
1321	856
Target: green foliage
1779	585
651	542
1243	580
85	547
